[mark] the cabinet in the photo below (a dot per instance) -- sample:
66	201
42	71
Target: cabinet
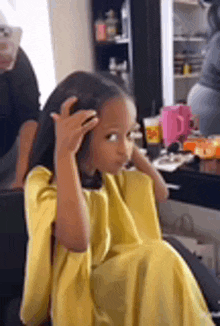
186	34
189	43
141	49
120	48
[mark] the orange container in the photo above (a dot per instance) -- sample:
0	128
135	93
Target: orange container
190	144
203	147
217	155
206	150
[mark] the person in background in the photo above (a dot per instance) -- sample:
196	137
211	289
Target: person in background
19	110
204	96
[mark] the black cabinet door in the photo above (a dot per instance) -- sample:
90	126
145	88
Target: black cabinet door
194	188
146	35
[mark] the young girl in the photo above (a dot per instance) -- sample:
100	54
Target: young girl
109	263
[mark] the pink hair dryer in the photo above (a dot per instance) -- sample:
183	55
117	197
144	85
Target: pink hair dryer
172	124
175	122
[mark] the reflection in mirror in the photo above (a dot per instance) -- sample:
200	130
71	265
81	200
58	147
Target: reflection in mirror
204	95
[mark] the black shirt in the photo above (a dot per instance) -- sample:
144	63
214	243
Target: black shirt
19	100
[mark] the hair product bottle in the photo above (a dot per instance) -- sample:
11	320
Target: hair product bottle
111	25
100	29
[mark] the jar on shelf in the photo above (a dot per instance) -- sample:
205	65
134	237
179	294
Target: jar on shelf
100	29
111	25
187	68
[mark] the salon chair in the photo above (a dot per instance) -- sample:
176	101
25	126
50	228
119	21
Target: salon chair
13	241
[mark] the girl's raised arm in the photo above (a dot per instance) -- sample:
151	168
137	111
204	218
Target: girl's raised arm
72	225
143	164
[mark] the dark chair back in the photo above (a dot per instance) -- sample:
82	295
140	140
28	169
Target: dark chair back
209	284
13	241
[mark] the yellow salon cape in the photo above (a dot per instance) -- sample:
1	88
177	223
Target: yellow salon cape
129	276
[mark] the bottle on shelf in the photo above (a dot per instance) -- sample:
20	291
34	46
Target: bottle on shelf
112	66
124	19
100	29
187	69
111	25
124	73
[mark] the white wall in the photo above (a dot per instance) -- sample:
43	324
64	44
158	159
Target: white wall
71	36
167	51
56	37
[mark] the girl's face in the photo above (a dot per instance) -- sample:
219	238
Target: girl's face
112	140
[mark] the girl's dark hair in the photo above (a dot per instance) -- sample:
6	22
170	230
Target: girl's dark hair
92	91
213	17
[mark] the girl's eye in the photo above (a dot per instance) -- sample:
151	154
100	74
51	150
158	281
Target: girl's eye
112	137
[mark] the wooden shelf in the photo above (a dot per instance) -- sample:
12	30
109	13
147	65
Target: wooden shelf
195	3
188	39
122	40
193	75
115	42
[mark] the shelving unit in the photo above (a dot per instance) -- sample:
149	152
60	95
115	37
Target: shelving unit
190	39
188	47
120	48
190	76
141	49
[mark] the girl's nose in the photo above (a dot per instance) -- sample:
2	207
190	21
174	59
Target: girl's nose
123	149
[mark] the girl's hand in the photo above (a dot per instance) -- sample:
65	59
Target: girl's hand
142	163
71	129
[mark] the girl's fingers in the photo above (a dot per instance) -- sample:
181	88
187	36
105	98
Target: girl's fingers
82	116
67	105
89	115
90	125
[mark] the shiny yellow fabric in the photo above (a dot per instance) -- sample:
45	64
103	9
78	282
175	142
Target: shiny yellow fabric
129	276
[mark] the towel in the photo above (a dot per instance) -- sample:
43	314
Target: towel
128	276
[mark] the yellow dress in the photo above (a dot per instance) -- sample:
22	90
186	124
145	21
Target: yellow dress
129	276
